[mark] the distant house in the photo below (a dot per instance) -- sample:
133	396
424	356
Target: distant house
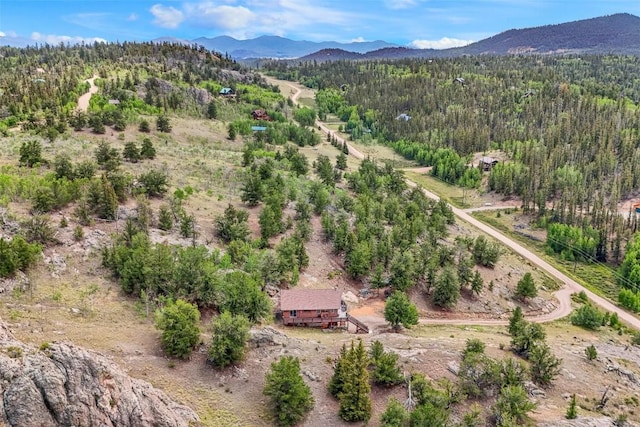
487	163
114	102
260	115
226	91
321	308
404	117
460	80
258	128
529	93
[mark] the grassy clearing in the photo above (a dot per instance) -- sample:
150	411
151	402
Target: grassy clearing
450	193
599	279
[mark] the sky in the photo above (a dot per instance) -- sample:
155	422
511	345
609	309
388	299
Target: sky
435	24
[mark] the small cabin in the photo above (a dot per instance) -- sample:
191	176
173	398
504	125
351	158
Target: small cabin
321	308
114	102
404	117
260	115
226	91
487	163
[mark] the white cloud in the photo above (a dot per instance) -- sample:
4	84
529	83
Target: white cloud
227	17
166	16
2	34
132	17
54	39
358	40
400	4
443	43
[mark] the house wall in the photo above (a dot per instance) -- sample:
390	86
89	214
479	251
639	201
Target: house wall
326	318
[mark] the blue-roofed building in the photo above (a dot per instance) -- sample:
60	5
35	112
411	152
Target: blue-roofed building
258	128
226	91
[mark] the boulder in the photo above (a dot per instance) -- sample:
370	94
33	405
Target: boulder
64	385
267	336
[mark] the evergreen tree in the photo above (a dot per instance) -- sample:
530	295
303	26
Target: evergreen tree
336	384
290	398
395	415
355	402
447	289
179	324
147	151
545	366
399	310
252	191
572	410
165	218
232	225
591	352
229	337
107	207
513	403
131	152
526	287
163	124
477	283
144	126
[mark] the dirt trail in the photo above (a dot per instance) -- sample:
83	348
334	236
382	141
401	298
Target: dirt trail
563	295
83	100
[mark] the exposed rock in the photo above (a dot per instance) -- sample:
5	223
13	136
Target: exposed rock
533	390
267	336
453	367
349	297
582	422
66	385
623	372
20	281
311	376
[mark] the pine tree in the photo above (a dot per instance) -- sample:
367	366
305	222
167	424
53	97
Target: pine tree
591	352
131	152
290	398
399	310
165	218
447	289
336	383
572	410
526	287
355	402
147	151
477	283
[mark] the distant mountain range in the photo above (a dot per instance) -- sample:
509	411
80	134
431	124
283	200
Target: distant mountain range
280	47
619	34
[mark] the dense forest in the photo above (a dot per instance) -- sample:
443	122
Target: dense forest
567	126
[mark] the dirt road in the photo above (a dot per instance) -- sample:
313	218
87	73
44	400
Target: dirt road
563	295
83	100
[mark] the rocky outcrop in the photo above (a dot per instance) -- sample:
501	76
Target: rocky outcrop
583	422
64	385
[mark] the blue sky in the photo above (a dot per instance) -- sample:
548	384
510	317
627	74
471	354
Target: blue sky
416	23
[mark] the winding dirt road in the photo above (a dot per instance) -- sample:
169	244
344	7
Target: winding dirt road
83	100
563	295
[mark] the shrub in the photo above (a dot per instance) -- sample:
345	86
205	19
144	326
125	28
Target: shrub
154	182
588	317
179	324
230	334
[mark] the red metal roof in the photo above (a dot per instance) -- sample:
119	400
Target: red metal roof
310	299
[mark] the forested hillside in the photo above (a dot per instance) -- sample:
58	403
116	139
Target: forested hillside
158	220
568	126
